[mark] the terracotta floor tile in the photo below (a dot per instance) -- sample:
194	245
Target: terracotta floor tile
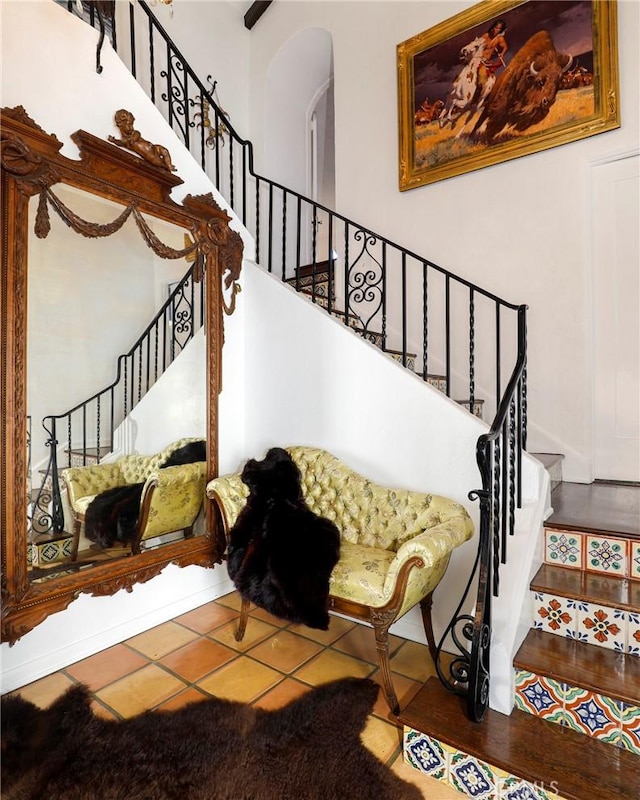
285	651
231	600
207	617
256	631
144	689
265	616
382	738
330	665
283	693
413	660
197	659
243	680
361	643
100	710
105	667
162	639
405	690
338	626
182	699
431	788
43	692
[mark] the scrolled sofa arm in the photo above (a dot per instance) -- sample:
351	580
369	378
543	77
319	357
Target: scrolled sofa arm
433	547
174	496
230	493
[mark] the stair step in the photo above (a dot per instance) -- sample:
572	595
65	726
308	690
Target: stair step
552	462
596	669
477	406
600	508
552	758
591	587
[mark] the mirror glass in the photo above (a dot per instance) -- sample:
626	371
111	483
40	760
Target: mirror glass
90	300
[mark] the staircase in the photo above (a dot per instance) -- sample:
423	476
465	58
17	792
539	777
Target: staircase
575	730
317	283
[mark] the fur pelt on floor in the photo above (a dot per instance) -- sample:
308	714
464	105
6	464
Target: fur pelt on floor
280	553
209	750
112	516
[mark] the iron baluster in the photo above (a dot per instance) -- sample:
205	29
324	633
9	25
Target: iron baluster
447	328
425	320
284	236
472	344
270	229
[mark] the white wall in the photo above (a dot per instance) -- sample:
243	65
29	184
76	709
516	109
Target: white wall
519	229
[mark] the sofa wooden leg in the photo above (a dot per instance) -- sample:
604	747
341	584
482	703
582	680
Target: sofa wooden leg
381	630
242	621
425	607
76	540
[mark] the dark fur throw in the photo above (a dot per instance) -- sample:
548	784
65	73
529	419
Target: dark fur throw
112	516
209	750
280	553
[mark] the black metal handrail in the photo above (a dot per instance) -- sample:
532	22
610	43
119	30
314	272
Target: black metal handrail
89	426
454	334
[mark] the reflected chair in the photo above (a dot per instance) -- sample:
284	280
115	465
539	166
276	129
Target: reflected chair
171	497
395	544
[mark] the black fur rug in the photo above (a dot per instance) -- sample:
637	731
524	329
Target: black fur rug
280	553
211	750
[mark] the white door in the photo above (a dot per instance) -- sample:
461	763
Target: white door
615	194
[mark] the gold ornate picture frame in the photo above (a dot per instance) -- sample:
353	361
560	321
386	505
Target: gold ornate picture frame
502	80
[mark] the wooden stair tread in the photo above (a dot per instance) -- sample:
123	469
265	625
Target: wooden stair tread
587	666
319	268
600	507
530	747
588	586
90	451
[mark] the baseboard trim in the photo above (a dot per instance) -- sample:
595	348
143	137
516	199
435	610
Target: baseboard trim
41	666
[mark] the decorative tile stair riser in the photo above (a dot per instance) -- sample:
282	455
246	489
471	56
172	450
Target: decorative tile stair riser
470	776
604	554
41	553
591	623
593	714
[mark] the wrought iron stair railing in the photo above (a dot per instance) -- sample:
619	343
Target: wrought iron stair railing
85	432
471	340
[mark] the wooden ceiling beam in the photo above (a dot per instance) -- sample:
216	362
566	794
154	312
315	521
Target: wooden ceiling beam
256	10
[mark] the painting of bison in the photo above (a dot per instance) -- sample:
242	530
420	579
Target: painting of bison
502	80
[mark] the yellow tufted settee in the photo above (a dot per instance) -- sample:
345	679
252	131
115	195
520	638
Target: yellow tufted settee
171	498
395	544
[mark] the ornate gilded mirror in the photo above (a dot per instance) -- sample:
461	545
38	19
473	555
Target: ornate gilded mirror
126	177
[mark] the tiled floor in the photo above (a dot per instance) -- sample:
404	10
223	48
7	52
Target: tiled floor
196	654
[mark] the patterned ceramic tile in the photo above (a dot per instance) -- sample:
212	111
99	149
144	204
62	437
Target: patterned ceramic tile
472	777
563	548
634	561
593	714
606	554
603	626
511	787
425	753
630	734
552	614
540	696
633	633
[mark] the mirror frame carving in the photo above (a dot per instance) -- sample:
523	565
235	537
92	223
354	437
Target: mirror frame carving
30	164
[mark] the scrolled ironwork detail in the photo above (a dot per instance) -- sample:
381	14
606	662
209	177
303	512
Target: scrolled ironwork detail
365	279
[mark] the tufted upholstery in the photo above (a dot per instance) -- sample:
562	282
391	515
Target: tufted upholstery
171	499
395	544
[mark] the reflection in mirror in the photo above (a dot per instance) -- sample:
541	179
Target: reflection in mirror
87	341
91	359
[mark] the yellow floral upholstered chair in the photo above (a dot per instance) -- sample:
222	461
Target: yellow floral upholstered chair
171	497
395	544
